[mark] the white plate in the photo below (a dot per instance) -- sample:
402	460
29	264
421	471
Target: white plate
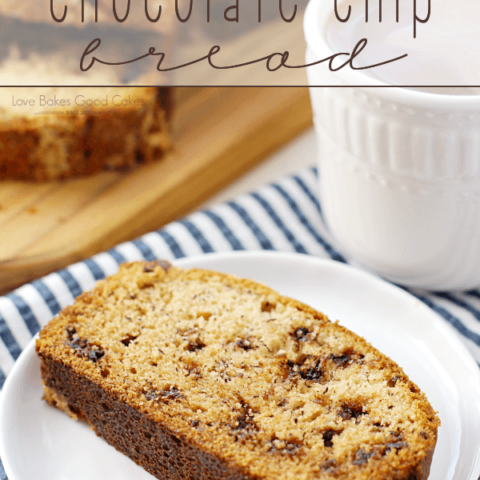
39	442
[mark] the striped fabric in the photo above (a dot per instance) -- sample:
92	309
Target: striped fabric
284	216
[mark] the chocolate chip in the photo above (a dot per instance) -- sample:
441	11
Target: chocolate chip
349	410
244	422
311	369
195	345
362	457
395	445
346	358
193	369
88	125
267	306
151	395
139	157
244	425
78	343
95	355
84	348
301	334
71	331
341	360
128	339
328	437
244	344
392	382
313	373
172	393
307	367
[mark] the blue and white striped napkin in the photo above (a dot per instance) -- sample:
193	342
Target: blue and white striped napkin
283	216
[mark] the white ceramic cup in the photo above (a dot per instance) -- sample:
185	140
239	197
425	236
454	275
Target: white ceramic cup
399	172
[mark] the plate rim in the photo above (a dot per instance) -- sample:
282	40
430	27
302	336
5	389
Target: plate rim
446	329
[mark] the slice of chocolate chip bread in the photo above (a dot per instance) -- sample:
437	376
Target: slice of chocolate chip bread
199	375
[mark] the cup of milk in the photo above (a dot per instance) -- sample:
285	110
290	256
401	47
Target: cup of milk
399	167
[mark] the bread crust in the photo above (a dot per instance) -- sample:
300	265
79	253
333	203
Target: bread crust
170	457
106	138
158	439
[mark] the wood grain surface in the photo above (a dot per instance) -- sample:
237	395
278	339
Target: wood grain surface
219	134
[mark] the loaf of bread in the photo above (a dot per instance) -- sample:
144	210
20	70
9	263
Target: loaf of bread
199	375
111	129
50	133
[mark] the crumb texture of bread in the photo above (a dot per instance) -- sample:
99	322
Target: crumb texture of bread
57	146
199	375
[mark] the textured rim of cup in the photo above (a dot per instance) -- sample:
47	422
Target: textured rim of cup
317	15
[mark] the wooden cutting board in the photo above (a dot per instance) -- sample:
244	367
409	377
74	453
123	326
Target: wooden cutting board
219	134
